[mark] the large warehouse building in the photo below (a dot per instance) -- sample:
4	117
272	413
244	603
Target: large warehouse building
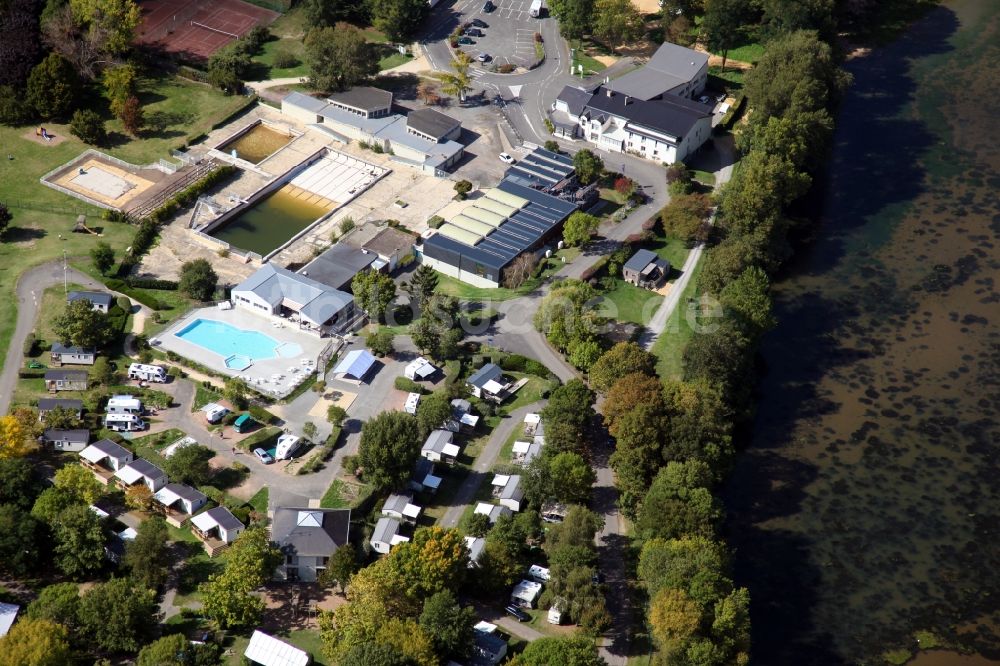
476	245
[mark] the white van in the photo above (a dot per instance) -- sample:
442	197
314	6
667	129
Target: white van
286	446
214	412
149	373
536	8
124	422
124	404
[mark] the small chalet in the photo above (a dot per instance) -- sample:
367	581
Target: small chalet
104	458
178	502
424	478
462	418
386	535
524	452
646	269
400	507
440	447
69	355
488	648
65	380
67	440
508	491
488	383
492	511
216	528
475	546
141	471
99	300
46	405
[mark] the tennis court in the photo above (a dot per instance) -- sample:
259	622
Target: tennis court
196	29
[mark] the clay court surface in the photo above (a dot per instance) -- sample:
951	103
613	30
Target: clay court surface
197	29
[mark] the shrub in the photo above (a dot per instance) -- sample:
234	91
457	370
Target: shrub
284	58
506	68
87	126
408	385
552	145
30	345
346	225
351	464
151	283
462	189
14	110
435	221
319	386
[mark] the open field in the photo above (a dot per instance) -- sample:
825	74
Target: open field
669	347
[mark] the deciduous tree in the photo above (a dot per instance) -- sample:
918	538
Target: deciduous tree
19	483
674	618
132	116
103	257
722	25
19	33
432	412
434	560
228	596
79	483
198	279
627	393
381	342
139	497
398	19
588	166
624	358
147	556
36	643
374	291
448	624
89	127
617	22
118	615
342	565
390	444
686	216
575	17
637	455
680	503
79	541
747	298
567	416
580	227
562	651
59	603
116	19
177	650
338	57
81	325
20	541
15	439
694	564
189	465
53	87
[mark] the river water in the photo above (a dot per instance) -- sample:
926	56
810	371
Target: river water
866	507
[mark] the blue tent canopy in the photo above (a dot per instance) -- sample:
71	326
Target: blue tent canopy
356	363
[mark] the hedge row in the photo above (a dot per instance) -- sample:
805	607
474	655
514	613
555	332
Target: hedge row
408	385
28	373
121	286
151	283
191	193
519	363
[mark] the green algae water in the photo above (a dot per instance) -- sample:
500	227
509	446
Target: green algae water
865	510
270	222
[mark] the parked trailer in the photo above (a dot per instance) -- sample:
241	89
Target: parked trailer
149	373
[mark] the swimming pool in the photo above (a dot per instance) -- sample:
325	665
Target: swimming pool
236	344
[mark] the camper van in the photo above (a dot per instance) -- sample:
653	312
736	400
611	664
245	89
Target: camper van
286	446
149	373
536	8
124	404
124	422
214	412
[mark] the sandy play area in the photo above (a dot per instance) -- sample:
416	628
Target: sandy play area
103	182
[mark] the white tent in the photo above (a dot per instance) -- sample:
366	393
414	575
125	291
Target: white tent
269	651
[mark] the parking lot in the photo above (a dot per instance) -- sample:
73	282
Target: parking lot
509	39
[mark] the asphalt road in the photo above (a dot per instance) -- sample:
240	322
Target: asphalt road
30	288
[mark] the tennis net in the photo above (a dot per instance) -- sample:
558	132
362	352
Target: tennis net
208	27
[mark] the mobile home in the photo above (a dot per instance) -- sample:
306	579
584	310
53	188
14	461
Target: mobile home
149	373
124	422
124	404
286	446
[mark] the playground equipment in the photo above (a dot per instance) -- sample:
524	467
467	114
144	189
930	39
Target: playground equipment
81	226
42	132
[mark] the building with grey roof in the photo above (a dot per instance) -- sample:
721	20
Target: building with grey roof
100	300
439	447
66	380
61	354
401	507
46	405
386	535
543	170
274	291
67	440
308	538
646	269
338	265
424	138
672	70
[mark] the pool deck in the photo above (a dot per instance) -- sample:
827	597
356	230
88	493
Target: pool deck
260	374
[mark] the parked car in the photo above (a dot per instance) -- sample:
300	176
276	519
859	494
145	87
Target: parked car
479	23
263	456
484	57
519	614
474	32
506	158
465	40
488	7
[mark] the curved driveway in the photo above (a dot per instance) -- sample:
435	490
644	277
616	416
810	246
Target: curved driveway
30	288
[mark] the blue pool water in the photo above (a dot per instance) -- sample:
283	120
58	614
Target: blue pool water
228	341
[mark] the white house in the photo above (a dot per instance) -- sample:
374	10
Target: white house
439	447
104	458
279	293
99	300
74	440
308	538
492	511
218	524
179	501
400	507
488	382
508	491
386	535
61	354
526	593
267	650
141	471
419	369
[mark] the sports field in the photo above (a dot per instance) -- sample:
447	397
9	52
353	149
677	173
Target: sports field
196	29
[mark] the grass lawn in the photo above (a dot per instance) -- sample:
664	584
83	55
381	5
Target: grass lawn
507	450
466	292
704	177
203	396
729	79
43	218
671	248
308	640
292	45
580	57
527	394
259	500
633	304
669	347
196	570
613	196
342	494
751	52
390	57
